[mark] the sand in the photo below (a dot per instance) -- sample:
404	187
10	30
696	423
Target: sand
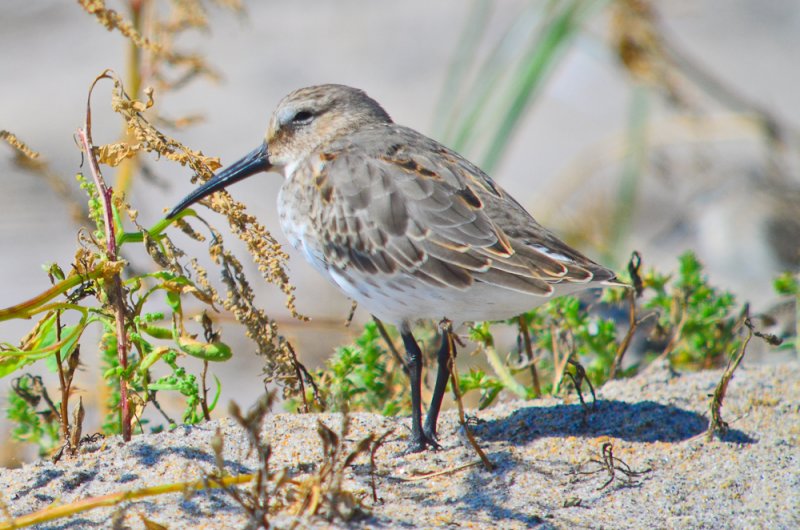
542	450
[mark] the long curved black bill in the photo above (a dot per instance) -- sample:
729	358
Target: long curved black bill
255	161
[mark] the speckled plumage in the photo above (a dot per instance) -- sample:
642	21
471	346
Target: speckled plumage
411	229
403	225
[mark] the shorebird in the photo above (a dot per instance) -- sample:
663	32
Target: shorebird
404	226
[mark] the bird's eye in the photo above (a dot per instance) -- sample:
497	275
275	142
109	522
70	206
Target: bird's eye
302	117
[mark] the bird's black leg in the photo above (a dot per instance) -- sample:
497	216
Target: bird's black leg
442	375
419	440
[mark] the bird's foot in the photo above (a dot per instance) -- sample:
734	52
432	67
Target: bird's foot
423	441
430	432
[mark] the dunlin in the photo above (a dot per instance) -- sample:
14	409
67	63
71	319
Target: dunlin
403	225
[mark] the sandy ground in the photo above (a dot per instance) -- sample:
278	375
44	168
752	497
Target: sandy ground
655	423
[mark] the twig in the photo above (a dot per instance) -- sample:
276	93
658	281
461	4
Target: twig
372	466
30	307
78	415
351	314
152	399
390	344
36	392
504	374
634	264
440	473
611	464
299	374
447	328
623	346
559	362
526	340
204	396
578	379
210	336
676	333
302	374
63	386
717	424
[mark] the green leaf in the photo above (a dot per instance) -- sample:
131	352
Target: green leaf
157	332
218	392
213	351
787	284
174	301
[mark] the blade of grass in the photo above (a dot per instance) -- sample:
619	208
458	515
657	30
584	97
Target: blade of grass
632	170
129	166
467	47
113	499
544	52
33	306
460	132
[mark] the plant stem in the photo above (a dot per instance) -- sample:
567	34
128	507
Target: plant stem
717	424
623	346
526	339
676	334
112	499
114	288
447	328
154	232
204	396
30	307
134	83
62	383
389	344
559	362
504	374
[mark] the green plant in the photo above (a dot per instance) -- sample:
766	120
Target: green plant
34	415
142	347
99	289
119	305
695	327
477	379
362	376
698	319
788	285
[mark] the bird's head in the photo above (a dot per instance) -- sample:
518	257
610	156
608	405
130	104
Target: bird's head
303	121
314	116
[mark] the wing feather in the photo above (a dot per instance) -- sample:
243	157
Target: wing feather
412	206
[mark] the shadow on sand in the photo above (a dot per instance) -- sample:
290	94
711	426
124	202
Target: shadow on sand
645	421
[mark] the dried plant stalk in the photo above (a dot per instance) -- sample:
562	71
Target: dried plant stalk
12	140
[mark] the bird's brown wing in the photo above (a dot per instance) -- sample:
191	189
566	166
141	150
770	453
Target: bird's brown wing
411	205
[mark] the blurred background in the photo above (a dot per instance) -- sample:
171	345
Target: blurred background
621	125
